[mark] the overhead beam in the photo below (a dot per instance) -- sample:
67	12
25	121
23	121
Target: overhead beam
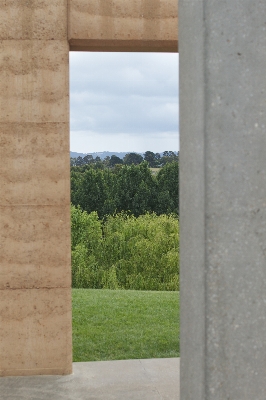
123	25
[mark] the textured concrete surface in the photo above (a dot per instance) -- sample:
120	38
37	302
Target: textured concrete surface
155	379
35	301
192	200
223	199
123	25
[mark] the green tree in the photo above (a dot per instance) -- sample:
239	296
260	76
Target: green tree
86	245
168	189
72	161
169	156
158	159
79	161
125	188
106	161
132	158
114	160
88	159
136	189
94	190
124	251
150	157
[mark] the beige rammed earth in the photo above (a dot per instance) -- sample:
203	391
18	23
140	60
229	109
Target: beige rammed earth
35	277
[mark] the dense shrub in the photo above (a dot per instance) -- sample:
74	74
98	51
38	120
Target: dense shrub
124	251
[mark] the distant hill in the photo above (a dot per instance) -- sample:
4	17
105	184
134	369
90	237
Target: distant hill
104	154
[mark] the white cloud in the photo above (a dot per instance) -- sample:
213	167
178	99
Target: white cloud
124	102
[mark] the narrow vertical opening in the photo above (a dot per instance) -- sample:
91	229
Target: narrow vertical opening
124	193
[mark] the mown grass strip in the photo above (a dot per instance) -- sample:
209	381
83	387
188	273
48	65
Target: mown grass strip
124	324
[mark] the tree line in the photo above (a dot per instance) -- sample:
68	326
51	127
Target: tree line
154	160
125	187
124	223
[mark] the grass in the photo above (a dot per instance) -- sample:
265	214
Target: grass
124	324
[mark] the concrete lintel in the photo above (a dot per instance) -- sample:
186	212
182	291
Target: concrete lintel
147	46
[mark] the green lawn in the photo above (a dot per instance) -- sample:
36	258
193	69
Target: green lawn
124	324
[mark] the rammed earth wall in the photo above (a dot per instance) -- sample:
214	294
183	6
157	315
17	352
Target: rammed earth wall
35	279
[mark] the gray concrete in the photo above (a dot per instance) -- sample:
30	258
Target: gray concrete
155	379
222	48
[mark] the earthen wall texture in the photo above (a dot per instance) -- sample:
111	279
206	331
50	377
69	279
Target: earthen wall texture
35	297
123	25
35	270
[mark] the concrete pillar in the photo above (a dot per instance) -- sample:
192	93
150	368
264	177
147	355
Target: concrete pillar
35	297
223	199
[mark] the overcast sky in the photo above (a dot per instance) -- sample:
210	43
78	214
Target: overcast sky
124	102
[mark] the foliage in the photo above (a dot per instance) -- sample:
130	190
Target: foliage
132	158
168	157
124	251
114	160
154	160
125	187
168	185
93	189
119	324
135	189
151	159
86	236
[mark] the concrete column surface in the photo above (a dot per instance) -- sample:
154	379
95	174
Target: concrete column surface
123	25
223	199
35	279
